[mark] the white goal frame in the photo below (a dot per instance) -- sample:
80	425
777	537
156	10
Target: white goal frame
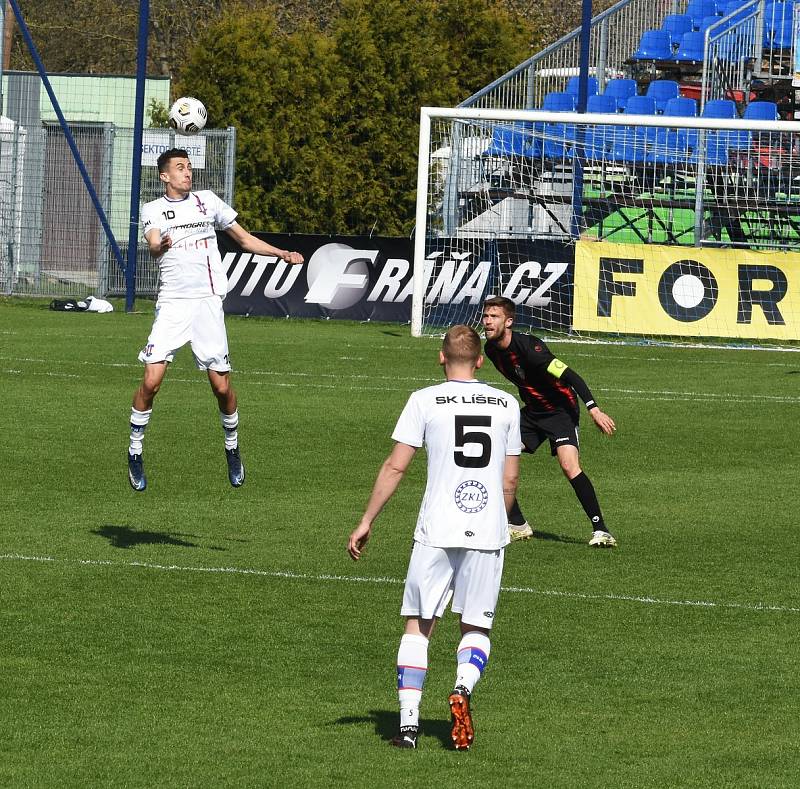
428	114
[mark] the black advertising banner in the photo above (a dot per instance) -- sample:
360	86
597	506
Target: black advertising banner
538	276
369	278
350	277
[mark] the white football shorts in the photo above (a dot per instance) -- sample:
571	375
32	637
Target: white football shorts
199	322
470	577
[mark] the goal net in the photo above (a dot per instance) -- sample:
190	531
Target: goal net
660	228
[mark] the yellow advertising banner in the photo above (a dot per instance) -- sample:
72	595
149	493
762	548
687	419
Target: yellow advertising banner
686	291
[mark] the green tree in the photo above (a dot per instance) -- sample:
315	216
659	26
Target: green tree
328	121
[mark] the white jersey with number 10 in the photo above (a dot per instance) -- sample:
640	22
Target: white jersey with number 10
191	268
467	428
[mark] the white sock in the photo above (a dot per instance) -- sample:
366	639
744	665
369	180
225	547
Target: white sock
412	665
139	420
230	424
473	655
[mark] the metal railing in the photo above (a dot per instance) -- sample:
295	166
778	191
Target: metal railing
615	34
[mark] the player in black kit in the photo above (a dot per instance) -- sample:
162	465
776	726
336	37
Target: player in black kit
550	390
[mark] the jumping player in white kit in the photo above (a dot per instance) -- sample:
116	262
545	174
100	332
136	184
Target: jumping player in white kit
180	230
471	434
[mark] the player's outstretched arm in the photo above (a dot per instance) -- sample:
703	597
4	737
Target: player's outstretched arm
392	471
603	421
249	243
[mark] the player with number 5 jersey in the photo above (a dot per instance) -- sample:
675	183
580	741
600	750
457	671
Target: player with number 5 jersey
472	437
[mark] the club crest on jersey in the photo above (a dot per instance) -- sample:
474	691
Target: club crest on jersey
201	206
519	371
471	496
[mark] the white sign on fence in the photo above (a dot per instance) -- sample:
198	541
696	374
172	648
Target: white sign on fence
155	143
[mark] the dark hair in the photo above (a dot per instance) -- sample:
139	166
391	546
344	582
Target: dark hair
461	345
508	306
172	153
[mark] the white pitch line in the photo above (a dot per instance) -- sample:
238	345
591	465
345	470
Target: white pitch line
311	381
358	579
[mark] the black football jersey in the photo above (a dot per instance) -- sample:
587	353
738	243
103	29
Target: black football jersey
525	364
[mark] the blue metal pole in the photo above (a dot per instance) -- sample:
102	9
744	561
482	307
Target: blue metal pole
136	163
583	94
26	35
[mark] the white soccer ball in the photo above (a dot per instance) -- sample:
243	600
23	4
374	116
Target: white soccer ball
188	115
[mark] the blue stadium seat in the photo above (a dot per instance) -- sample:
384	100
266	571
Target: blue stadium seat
559	139
761	111
654	45
697	9
719	108
778	25
662	90
620	90
640	105
714	148
560	102
676	25
669	147
508	141
691	48
782	34
601	103
681	107
592	85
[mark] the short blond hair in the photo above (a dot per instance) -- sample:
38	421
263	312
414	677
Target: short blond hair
461	345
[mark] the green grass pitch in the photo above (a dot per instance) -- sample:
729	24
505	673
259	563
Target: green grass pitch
196	635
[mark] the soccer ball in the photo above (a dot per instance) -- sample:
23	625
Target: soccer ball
187	115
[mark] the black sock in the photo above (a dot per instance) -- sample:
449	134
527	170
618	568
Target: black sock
584	490
515	517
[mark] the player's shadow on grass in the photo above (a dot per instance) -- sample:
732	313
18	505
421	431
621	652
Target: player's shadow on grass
126	537
385	723
546	535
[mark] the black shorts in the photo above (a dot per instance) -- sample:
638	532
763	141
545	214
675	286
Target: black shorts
559	428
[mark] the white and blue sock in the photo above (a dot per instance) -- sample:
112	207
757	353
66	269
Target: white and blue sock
412	666
473	655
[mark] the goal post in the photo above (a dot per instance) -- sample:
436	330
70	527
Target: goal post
685	228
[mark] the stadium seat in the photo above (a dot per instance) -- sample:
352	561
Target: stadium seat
508	141
559	139
669	147
782	34
574	82
620	90
654	45
640	105
778	25
691	48
676	25
681	107
560	102
697	9
714	149
719	108
762	111
601	103
662	90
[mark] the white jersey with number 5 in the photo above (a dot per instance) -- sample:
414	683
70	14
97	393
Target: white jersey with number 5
467	428
191	268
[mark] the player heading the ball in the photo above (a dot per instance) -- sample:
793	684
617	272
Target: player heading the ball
180	230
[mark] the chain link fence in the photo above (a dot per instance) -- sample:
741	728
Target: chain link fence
51	238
